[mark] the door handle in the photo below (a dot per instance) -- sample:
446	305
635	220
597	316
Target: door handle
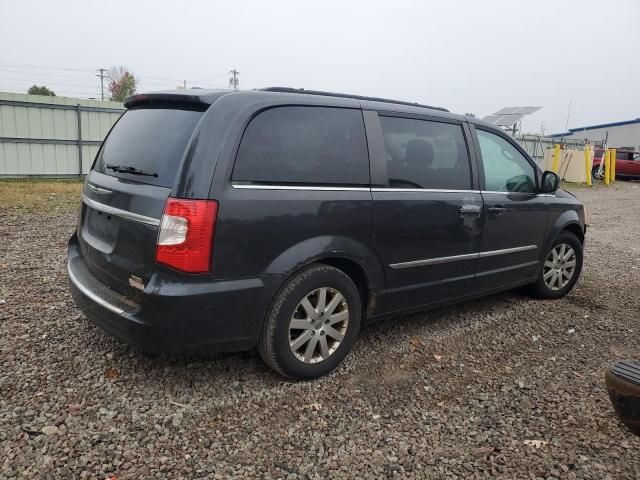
496	211
469	210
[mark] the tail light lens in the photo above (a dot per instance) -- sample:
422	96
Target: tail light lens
185	241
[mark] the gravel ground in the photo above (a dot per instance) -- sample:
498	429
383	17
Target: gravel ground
505	386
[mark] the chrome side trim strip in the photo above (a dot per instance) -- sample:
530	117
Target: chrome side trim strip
505	251
246	186
434	261
456	258
120	213
92	295
519	193
436	190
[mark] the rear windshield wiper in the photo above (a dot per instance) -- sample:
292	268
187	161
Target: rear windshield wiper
128	169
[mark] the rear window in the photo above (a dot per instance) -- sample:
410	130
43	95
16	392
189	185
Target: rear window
304	145
152	141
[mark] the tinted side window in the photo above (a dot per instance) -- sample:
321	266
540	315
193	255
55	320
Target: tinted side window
317	145
505	168
425	154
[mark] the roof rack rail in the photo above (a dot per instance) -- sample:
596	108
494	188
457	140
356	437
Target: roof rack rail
346	95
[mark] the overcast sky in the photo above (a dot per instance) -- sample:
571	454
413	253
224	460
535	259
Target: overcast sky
468	56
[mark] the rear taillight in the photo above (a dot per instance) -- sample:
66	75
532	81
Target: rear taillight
185	241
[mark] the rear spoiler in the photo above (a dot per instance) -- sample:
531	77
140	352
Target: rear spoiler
158	100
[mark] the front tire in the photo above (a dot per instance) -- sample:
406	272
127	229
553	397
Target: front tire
311	324
560	269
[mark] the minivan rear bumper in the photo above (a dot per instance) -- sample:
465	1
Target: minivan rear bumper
178	313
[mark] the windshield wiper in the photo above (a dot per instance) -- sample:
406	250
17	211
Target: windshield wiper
130	170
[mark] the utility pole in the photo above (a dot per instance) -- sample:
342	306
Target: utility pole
233	81
101	75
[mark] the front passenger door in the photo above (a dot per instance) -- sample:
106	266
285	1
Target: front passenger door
515	215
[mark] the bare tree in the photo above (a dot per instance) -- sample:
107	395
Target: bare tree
122	84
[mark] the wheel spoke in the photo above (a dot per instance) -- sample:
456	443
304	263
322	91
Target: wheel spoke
569	254
554	252
308	308
562	249
335	301
570	264
333	333
318	325
339	317
311	348
566	273
549	264
322	300
324	348
549	274
300	324
301	340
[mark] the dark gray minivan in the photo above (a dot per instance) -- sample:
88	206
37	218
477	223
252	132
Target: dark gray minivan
286	219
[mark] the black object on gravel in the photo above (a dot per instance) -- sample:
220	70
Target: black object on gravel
623	385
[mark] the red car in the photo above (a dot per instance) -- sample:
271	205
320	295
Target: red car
627	163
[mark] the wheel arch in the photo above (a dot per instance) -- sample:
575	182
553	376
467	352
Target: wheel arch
352	257
569	221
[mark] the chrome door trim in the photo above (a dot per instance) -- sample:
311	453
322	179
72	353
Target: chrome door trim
505	251
90	294
101	207
466	256
434	261
519	193
435	190
323	188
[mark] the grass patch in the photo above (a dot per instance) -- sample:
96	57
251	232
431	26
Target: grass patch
40	194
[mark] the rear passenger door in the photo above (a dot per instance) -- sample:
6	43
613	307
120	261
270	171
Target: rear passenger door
515	215
426	210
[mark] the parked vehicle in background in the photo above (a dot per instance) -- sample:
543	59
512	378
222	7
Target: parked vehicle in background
627	163
285	219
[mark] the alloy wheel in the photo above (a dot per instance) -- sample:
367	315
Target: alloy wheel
318	325
559	266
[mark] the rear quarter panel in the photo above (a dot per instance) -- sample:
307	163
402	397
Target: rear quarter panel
271	231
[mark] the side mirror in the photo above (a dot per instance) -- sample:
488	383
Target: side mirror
550	182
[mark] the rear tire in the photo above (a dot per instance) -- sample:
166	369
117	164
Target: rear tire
560	269
311	324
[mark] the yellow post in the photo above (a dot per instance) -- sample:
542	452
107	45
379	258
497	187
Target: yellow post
587	163
612	175
607	166
556	158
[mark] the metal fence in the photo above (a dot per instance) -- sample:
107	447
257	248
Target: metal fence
536	145
51	136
